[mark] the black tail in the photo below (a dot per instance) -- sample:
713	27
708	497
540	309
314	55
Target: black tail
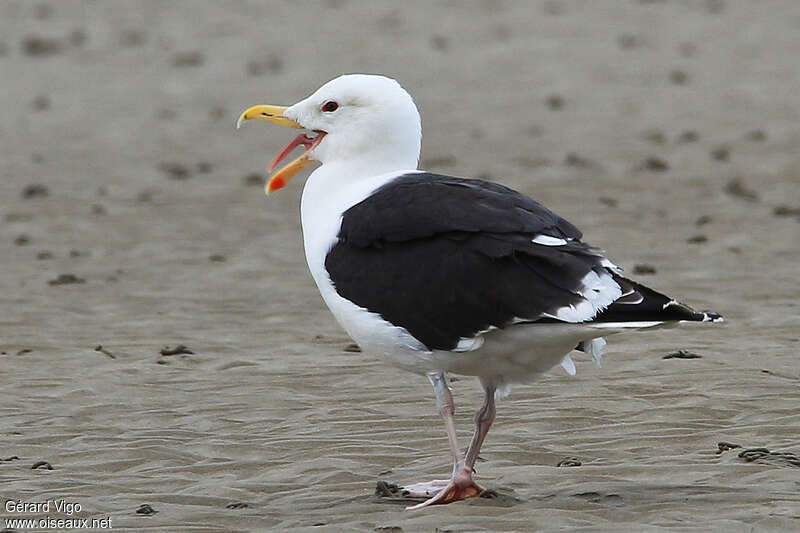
640	303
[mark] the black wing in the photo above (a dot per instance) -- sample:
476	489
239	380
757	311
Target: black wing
447	258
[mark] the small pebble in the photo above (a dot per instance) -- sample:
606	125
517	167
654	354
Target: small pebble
217	113
41	464
194	58
697	239
35	190
609	202
387	490
77	38
44	255
682	354
688	136
145	196
626	41
217	258
764	456
204	167
99	348
146	509
575	160
40	103
737	188
678	77
656	164
22	240
721	153
175	171
715	6
132	38
66	279
725	446
555	102
756	136
553	7
702	220
40	46
644	269
178	350
786	211
254	180
439	42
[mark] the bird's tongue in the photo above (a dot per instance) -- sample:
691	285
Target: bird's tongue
282	177
303	139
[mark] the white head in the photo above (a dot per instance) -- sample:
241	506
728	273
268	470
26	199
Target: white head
357	117
361	114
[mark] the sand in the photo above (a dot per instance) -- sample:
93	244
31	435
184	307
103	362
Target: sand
131	220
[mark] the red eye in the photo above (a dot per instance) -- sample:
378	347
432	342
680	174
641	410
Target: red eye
330	107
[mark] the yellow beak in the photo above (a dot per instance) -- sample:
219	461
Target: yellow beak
270	113
274	114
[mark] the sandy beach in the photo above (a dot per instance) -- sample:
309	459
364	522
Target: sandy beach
133	222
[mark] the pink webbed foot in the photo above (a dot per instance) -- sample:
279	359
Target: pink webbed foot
461	487
424	490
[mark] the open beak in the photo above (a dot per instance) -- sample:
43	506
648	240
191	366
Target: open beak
274	114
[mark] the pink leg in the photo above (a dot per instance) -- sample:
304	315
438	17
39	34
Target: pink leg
483	421
461	486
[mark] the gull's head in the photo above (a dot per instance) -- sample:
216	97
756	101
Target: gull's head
368	120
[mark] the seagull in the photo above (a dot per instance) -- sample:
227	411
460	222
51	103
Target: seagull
439	274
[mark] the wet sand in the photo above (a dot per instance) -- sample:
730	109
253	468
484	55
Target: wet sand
131	220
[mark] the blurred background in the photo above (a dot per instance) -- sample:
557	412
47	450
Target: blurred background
132	217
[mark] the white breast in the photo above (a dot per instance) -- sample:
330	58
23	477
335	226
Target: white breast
324	200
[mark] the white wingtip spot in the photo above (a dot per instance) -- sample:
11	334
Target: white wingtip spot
670	304
547	240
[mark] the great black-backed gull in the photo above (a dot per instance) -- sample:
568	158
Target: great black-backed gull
438	274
